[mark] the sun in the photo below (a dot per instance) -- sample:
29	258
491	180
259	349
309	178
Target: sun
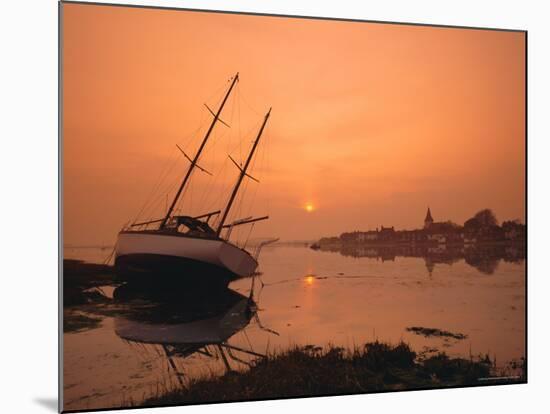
309	207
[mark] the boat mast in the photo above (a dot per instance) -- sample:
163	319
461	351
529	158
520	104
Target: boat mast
197	155
241	175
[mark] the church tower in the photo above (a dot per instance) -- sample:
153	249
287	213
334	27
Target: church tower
428	221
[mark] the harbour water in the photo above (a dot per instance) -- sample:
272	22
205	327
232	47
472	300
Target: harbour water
320	298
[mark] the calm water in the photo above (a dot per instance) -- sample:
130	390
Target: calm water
309	297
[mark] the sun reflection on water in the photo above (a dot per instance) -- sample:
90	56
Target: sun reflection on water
309	279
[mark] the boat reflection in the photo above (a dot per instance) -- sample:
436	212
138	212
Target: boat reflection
183	324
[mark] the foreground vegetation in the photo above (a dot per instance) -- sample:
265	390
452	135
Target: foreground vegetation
313	371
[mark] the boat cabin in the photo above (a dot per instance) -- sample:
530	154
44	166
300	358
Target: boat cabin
191	226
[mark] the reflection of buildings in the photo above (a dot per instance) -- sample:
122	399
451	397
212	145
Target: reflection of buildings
484	258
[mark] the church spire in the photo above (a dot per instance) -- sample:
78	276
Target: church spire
428	220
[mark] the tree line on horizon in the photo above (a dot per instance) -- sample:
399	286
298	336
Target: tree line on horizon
482	226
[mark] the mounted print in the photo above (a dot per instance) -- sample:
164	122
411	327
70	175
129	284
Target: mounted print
261	207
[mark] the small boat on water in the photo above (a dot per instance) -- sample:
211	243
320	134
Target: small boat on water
188	248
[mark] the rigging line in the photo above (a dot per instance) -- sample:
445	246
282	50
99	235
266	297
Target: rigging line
232	215
175	203
191	136
233	110
188	139
250	131
194	187
250	106
260	161
245	192
185	194
218	92
232	116
253	200
108	258
261	168
171	160
240	134
224	184
242	196
205	193
237	211
229	143
211	202
162	191
206	184
219	197
161	199
240	207
181	202
247	214
247	339
158	196
217	139
169	166
257	159
268	170
240	145
249	233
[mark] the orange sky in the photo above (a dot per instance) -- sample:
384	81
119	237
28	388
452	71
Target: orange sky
371	123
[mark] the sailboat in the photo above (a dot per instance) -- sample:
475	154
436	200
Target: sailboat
187	248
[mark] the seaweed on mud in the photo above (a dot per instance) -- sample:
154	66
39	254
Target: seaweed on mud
74	321
435	332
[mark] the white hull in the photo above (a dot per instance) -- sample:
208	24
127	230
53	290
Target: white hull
189	252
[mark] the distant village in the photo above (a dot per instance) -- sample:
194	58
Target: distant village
483	228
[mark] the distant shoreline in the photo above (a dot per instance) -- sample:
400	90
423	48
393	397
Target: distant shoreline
398	243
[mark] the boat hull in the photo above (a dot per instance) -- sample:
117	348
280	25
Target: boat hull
181	258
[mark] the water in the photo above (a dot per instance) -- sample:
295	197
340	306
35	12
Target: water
320	298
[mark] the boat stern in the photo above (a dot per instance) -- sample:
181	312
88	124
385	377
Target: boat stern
237	260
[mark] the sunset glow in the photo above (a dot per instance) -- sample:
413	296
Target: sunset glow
376	120
341	190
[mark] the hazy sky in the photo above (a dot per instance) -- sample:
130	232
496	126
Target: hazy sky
371	123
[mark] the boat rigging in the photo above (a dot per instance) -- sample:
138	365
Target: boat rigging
185	246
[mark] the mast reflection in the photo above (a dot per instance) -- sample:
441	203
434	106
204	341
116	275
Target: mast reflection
181	323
